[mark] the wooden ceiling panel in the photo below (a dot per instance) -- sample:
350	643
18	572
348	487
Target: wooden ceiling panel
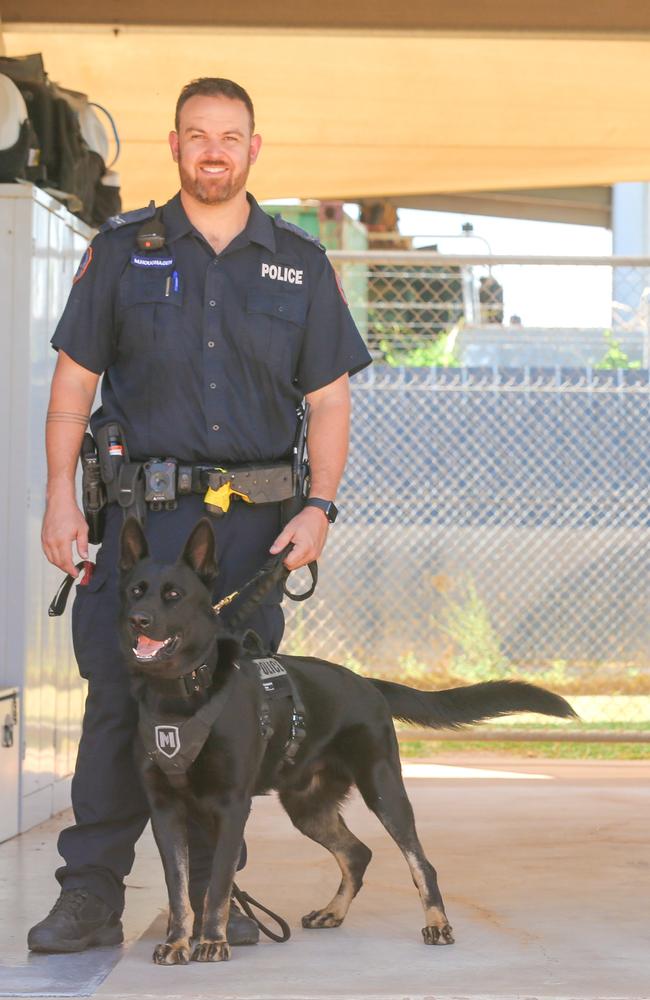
582	16
373	115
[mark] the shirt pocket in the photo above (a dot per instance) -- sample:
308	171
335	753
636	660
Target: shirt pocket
274	326
151	314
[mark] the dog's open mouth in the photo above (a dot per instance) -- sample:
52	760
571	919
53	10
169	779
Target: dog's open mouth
146	649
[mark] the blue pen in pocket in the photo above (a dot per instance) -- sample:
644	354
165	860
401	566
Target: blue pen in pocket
175	281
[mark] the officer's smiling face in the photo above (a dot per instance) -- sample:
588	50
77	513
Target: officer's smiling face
214	148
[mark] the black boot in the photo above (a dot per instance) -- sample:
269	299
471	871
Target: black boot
78	920
240	930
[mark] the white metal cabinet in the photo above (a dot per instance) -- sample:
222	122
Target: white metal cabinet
40	246
9	763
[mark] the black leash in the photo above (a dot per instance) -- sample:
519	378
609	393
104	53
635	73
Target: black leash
267	577
246	902
60	599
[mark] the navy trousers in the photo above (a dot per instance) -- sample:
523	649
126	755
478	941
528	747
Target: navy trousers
110	807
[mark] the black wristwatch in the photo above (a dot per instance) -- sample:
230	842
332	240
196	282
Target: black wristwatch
328	507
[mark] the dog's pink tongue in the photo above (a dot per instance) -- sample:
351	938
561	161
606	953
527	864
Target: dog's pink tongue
147	645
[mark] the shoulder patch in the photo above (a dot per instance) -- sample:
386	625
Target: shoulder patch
126	218
297	231
84	264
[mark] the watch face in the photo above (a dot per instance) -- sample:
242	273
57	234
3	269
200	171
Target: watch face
332	513
328	508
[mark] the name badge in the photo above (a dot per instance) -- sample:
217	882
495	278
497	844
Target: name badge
150	262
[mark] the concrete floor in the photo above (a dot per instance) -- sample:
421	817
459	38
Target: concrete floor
544	867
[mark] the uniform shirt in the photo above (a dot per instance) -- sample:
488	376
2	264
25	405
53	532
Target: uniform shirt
206	356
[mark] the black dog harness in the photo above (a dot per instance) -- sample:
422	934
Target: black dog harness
173	742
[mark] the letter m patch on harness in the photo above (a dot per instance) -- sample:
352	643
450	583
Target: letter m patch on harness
168	740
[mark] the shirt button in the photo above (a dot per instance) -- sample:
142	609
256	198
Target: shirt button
212	302
213	385
211	343
215	427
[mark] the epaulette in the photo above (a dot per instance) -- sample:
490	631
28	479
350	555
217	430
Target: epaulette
125	218
297	231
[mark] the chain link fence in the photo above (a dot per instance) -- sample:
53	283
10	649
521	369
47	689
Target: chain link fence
422	308
494	523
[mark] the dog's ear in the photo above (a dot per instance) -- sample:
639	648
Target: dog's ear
199	552
133	544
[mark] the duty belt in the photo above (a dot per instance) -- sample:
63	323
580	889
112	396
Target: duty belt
268	482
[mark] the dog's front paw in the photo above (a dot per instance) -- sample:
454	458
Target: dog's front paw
321	918
211	951
438	935
177	953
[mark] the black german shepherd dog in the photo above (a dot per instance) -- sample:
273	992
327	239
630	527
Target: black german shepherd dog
170	633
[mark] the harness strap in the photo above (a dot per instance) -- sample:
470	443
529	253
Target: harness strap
271	671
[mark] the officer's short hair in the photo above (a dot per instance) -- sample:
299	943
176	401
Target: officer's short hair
214	86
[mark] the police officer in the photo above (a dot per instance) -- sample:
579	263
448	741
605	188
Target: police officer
205	355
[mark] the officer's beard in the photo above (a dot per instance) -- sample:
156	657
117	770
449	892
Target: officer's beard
212	190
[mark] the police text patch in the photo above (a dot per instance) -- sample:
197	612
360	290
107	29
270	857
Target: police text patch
282	272
269	667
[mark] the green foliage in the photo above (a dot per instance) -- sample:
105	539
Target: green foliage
438	353
615	357
477	652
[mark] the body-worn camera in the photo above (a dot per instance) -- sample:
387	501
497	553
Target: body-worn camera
160	482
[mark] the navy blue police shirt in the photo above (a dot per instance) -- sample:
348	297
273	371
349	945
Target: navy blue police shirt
205	356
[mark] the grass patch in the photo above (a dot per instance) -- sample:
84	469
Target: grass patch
554	749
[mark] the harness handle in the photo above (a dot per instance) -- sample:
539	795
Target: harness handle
246	902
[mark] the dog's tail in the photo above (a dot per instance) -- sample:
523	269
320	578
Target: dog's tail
465	706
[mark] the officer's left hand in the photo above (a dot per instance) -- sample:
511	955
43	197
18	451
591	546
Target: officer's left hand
308	532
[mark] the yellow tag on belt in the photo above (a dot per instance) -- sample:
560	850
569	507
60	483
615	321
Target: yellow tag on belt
221	497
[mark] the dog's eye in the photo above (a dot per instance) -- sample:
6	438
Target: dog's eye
137	591
171	594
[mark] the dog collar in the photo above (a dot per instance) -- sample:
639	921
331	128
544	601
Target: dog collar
198	679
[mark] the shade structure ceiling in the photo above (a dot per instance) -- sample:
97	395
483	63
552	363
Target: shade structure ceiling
351	113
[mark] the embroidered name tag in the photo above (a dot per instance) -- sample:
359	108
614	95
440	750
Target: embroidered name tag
141	260
280	272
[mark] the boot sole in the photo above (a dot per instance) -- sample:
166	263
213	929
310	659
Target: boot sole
102	938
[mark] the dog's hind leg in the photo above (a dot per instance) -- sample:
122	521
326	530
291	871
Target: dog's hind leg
315	812
380	783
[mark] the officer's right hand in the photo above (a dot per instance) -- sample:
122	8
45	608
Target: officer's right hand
64	524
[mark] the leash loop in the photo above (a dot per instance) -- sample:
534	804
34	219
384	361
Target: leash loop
246	902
